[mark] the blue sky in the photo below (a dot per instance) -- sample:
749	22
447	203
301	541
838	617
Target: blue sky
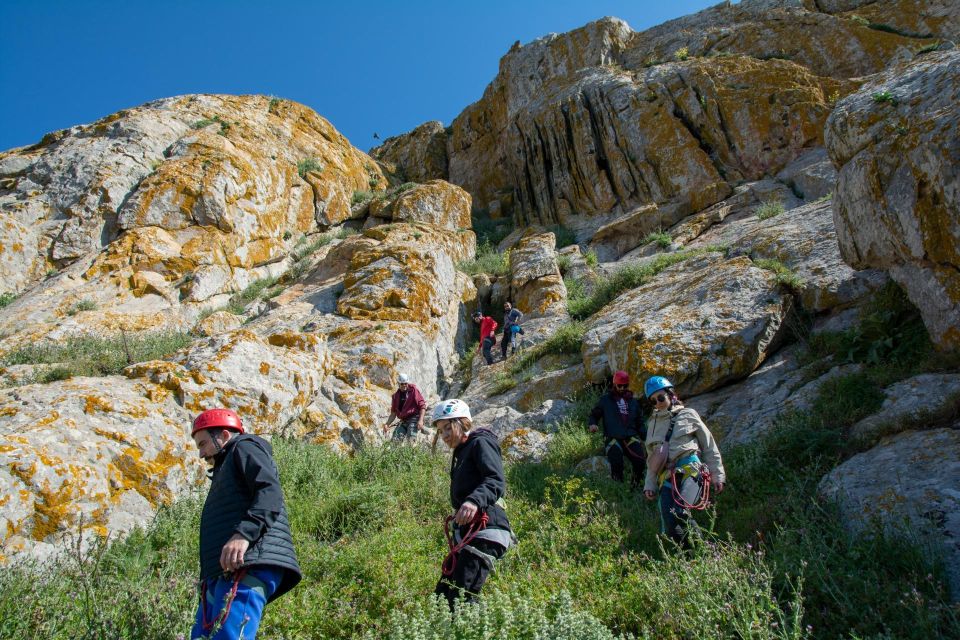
367	67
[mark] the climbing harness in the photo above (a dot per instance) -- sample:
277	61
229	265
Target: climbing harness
450	562
215	624
632	440
703	499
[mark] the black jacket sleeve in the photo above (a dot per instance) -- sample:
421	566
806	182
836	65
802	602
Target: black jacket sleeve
493	482
259	474
596	414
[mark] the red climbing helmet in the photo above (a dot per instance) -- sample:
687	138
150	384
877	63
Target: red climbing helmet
621	377
217	418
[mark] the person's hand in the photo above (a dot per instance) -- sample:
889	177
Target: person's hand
420	426
649	495
466	513
717	486
593	428
231	557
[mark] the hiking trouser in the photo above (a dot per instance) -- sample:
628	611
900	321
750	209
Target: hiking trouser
673	517
470	573
246	609
406	428
488	343
509	339
633	449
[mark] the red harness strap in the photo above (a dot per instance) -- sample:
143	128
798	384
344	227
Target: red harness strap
217	622
450	562
704	500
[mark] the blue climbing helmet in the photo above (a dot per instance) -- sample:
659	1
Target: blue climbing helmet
654	384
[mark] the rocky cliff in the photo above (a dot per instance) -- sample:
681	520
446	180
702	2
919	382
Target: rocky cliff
737	183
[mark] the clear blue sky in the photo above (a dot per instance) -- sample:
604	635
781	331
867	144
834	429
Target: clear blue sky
367	67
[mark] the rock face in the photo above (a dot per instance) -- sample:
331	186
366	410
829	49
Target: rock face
725	322
897	205
102	453
909	481
417	156
223	177
582	128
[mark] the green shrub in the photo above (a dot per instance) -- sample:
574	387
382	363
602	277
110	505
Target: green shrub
206	122
662	239
784	275
565	237
98	356
769	209
488	260
360	197
590	258
681	54
7	298
564	262
308	165
488	230
885	96
83	305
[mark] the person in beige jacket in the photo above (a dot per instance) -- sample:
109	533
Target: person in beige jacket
690	447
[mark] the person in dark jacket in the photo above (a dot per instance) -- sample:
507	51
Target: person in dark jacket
487	338
408	406
623	429
246	551
511	326
477	485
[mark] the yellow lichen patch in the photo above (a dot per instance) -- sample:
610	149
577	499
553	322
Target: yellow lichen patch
96	403
264	368
49	419
116	436
293	340
517	437
8	410
147	477
54	510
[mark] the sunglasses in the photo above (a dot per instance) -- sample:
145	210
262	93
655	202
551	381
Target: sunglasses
660	397
620	386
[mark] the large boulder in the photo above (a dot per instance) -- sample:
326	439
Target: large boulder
897	204
417	156
803	240
909	481
88	456
536	286
919	402
436	202
247	166
702	324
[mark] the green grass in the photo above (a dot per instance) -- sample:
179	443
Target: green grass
661	238
590	258
96	355
361	196
566	340
769	209
206	122
308	165
488	260
564	262
784	275
627	277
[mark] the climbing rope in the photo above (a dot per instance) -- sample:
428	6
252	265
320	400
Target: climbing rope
217	622
450	562
703	500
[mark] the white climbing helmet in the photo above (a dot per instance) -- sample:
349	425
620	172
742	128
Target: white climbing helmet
403	379
449	409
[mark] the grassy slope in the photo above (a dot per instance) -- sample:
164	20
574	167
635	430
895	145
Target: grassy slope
589	564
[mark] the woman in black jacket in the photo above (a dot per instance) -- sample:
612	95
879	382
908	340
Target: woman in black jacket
481	533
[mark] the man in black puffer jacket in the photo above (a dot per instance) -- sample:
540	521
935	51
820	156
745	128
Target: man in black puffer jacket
477	485
246	551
